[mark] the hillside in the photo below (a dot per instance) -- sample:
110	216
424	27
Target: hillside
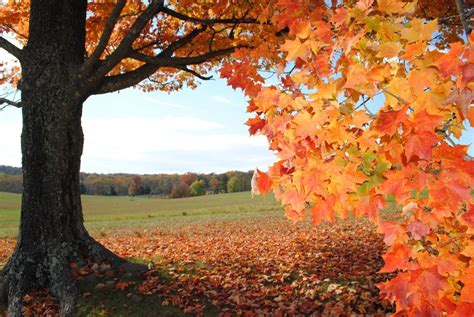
164	185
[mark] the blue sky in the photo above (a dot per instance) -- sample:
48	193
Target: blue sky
199	130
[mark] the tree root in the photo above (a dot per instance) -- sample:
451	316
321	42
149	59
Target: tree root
18	280
63	286
51	270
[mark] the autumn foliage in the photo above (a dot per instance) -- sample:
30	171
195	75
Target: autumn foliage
360	100
362	109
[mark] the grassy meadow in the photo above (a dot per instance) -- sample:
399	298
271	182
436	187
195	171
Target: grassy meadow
119	214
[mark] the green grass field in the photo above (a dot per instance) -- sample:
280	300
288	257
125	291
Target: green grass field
121	214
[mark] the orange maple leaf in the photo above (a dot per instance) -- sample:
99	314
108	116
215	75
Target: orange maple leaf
255	124
449	63
396	258
264	183
420	145
463	100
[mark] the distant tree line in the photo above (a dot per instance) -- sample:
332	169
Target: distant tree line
163	185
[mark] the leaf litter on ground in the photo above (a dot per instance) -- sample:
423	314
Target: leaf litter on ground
246	267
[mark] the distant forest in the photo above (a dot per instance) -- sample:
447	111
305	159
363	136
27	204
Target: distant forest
163	185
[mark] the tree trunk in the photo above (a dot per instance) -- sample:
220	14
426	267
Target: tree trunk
51	230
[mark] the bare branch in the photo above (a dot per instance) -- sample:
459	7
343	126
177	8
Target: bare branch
181	42
163	61
124	47
118	82
175	45
105	37
464	16
187	18
11	48
199	59
122	81
194	73
8	102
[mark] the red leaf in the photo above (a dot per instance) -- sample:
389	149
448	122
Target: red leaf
468	216
390	121
122	285
255	124
396	258
448	64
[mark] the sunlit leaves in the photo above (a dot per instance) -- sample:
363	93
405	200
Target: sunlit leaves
362	152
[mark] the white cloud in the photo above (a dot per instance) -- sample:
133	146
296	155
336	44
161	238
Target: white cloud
147	145
173	144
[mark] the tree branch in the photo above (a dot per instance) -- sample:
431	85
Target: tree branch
181	42
106	84
124	47
463	15
163	61
8	102
105	37
199	59
122	81
187	18
112	83
394	96
193	72
11	48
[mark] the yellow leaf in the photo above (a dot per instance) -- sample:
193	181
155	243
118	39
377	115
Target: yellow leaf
295	49
326	91
420	79
304	30
397	7
419	30
399	87
389	49
364	5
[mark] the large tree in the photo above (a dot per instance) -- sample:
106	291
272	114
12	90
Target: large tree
68	51
336	153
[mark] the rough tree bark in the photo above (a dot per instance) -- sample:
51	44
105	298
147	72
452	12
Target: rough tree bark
51	231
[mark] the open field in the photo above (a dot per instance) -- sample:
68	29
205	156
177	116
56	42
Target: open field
218	255
104	214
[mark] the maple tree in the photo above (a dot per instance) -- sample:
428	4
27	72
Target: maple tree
337	154
340	153
64	52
